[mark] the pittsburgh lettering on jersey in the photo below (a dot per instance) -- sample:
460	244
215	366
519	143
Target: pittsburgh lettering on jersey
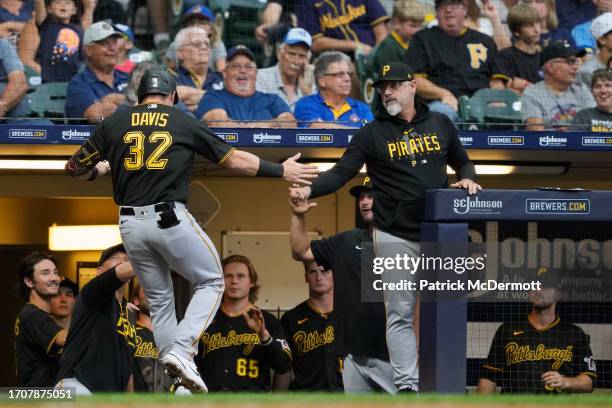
352	12
426	143
306	342
217	341
126	329
517	354
149	119
145	349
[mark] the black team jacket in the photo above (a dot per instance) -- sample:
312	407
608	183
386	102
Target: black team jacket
404	159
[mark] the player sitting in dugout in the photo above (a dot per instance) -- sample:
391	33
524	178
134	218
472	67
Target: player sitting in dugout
243	344
543	354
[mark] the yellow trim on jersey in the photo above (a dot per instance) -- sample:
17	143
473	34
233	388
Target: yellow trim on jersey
399	40
314	309
230	314
317	35
421	74
228	154
380	20
488	367
339	112
463	30
52	342
550	326
500	76
590	374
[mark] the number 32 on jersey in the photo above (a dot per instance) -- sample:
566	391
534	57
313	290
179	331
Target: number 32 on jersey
154	160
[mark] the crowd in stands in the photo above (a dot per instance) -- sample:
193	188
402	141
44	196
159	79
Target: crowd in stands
544	51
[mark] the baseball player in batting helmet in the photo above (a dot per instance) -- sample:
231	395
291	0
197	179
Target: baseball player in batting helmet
151	149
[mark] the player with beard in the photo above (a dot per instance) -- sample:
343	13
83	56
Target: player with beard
542	354
38	339
149	375
406	150
359	326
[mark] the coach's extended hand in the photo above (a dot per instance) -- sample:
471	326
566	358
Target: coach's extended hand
467	184
295	172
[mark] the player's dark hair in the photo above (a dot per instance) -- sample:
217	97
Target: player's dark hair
26	270
521	15
254	291
109	252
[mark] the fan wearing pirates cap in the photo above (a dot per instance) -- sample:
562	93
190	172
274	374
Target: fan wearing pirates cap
151	148
543	354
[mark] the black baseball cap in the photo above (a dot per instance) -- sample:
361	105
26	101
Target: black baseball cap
438	3
240	50
550	277
108	252
67	283
366	186
394	71
559	49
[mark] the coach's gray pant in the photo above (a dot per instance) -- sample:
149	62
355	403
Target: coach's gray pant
80	390
399	307
187	250
367	374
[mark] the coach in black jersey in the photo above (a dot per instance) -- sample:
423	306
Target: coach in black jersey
540	355
243	343
101	338
450	60
406	150
312	335
38	338
151	150
359	326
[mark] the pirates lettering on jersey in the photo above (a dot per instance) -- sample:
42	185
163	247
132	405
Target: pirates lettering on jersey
145	349
126	329
216	341
352	13
308	341
415	144
478	54
149	119
517	354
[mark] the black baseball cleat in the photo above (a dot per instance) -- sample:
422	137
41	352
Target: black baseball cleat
408	390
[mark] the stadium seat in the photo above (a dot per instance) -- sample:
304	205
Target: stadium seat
241	17
33	78
365	73
491	109
48	100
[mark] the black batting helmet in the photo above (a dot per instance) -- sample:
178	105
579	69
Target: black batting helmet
157	81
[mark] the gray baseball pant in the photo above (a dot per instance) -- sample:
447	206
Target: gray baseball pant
367	374
186	249
399	308
80	390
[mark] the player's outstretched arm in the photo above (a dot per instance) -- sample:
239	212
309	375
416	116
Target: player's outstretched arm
85	164
298	236
248	164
